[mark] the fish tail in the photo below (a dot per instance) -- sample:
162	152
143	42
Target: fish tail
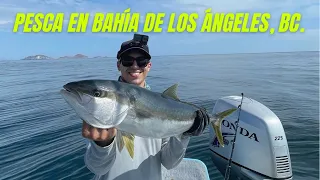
216	125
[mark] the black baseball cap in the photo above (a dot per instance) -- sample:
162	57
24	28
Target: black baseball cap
138	43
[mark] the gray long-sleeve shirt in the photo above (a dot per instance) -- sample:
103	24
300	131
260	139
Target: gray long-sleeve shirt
108	163
149	155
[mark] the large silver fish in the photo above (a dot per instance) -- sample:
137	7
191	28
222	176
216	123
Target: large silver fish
133	110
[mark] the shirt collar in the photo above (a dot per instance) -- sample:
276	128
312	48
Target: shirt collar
145	84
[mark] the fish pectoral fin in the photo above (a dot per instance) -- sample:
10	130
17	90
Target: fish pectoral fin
120	142
125	140
216	125
128	140
171	92
143	114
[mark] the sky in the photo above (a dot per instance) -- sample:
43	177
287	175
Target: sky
19	45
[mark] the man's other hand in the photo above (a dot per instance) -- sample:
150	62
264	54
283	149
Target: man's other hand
200	123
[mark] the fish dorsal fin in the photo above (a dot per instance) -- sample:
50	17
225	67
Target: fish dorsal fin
171	92
125	140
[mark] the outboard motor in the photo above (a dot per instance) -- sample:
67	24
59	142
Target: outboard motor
260	151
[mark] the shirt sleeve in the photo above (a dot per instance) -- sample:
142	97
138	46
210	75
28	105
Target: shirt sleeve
99	160
173	150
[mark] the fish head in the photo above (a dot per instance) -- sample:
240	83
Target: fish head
98	102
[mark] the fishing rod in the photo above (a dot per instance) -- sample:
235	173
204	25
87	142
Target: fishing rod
227	173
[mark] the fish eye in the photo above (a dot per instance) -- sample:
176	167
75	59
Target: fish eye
97	93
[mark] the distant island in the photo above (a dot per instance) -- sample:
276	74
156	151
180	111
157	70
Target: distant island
44	57
77	56
37	57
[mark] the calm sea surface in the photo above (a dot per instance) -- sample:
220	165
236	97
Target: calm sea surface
41	135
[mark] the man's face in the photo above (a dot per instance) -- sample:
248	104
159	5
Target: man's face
134	74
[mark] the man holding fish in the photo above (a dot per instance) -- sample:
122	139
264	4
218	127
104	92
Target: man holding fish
154	128
103	159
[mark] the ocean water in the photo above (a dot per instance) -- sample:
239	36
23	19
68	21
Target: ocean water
41	135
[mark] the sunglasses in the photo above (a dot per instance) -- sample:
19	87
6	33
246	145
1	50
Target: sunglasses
127	61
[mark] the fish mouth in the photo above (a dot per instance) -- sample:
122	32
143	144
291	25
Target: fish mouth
71	92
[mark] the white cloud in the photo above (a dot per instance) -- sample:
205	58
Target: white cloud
308	35
8	9
2	22
311	11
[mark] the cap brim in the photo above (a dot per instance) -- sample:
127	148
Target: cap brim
136	49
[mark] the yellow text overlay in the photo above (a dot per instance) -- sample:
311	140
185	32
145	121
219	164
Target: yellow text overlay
156	22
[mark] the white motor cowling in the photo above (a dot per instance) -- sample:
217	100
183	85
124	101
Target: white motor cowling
260	151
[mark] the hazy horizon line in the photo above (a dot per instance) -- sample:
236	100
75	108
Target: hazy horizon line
171	55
